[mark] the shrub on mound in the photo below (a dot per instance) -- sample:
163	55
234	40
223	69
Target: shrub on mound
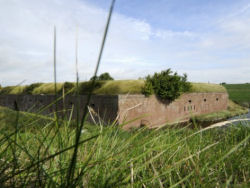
166	85
103	76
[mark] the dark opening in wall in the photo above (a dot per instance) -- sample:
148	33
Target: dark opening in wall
205	100
190	101
92	105
217	99
16	106
194	107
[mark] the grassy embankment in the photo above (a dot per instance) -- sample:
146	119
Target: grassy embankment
116	158
101	87
239	93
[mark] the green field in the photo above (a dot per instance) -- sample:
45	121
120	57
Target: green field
239	93
36	150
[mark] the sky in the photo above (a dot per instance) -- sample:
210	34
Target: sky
207	39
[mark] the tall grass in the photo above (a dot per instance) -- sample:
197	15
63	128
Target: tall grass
111	157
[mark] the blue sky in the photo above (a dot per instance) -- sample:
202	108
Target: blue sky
207	39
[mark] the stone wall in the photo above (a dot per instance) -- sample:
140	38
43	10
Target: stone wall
148	111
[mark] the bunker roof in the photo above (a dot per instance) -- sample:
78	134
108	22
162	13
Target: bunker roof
112	87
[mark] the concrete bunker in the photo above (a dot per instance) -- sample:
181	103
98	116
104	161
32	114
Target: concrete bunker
145	111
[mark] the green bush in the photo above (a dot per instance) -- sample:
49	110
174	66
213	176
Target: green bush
147	89
166	85
104	76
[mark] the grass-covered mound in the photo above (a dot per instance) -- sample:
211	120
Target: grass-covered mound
111	87
111	157
239	93
207	88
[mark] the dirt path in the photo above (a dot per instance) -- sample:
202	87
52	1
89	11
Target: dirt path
220	124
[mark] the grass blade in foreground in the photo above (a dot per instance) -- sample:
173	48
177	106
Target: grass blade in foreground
71	171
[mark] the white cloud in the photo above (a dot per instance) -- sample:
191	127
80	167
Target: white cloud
134	48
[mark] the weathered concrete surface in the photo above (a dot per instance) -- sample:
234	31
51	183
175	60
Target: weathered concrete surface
123	108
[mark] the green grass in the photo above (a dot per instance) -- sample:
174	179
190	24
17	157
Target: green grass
17	90
207	88
121	87
113	87
239	93
47	88
116	158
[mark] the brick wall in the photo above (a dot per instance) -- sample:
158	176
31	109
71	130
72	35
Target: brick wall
159	112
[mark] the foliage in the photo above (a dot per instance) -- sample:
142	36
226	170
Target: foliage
166	85
103	76
148	89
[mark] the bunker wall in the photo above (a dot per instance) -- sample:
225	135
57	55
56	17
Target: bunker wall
157	112
102	107
149	111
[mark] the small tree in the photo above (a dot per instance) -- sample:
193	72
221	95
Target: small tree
166	85
103	76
